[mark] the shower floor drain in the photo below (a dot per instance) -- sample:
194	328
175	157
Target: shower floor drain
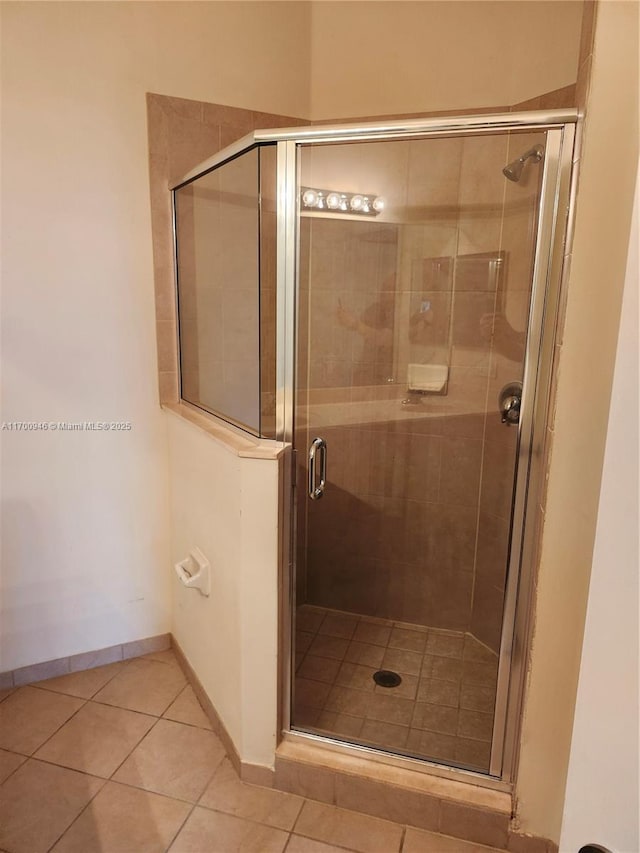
387	678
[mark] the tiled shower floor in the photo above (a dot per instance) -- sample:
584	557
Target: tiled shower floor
442	710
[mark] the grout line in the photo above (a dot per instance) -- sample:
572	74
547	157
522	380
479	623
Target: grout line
81	812
15	769
62	725
133	749
402	839
180	828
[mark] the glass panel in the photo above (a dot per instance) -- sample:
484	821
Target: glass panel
411	321
222	244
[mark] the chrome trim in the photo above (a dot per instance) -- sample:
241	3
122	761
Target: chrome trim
525	446
286	174
228	153
317	445
550	299
176	291
402	761
492	121
383	129
286	321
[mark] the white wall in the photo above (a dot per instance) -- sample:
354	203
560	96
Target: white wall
86	515
228	507
396	56
602	796
578	428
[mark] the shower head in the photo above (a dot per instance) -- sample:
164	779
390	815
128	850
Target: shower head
513	171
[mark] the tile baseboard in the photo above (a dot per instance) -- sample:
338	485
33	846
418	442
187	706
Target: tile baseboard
254	774
86	660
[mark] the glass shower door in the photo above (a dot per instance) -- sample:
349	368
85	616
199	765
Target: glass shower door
414	287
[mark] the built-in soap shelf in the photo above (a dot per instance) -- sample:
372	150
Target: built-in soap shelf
194	571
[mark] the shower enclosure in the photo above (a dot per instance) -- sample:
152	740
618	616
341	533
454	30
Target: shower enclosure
382	298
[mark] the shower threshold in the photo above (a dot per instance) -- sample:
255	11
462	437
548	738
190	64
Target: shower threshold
441	711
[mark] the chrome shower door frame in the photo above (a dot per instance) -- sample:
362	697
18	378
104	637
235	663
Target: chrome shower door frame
547	274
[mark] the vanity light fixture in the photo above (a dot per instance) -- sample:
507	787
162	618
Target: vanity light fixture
333	201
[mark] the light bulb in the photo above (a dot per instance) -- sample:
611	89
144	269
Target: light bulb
333	201
356	202
378	204
310	198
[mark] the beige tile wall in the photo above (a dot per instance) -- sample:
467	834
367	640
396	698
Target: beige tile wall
182	133
406	530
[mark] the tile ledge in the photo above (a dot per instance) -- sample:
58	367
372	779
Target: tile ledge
225	435
453	790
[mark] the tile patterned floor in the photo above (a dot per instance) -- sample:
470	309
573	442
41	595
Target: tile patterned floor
442	710
122	759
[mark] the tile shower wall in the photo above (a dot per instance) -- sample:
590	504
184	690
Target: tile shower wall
414	525
183	133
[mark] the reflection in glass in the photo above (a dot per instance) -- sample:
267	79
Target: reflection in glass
226	290
409	325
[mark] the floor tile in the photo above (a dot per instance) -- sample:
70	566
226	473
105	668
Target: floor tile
226	793
339	625
309	618
432	745
97	740
473	753
388	709
435	718
83	684
347	701
319	669
212	831
329	647
476	697
479	673
403	638
474	650
348	829
303	641
385	733
298	844
371	632
403	661
445	669
148	686
311	694
30	716
304	715
405	690
419	841
164	656
366	654
186	709
446	645
9	761
475	724
39	802
125	820
439	692
356	676
173	759
6	691
342	724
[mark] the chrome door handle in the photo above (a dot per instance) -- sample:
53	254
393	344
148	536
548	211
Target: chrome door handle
318	445
509	401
